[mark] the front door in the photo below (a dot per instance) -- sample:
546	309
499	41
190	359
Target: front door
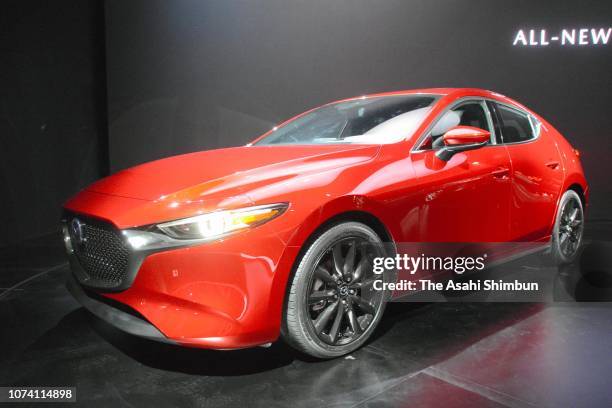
466	199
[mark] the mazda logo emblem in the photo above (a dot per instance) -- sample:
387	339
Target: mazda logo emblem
76	228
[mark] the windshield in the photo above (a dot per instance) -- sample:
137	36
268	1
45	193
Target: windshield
376	120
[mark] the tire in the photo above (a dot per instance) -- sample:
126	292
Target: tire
311	327
568	231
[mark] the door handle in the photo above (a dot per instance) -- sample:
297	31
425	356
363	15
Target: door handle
553	165
501	173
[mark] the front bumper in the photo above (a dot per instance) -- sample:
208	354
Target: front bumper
224	295
131	323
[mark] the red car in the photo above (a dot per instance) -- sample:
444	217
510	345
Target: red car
235	247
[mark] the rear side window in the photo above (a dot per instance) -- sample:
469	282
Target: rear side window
515	125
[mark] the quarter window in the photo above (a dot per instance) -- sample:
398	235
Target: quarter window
515	126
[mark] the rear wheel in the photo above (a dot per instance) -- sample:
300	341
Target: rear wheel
568	230
332	307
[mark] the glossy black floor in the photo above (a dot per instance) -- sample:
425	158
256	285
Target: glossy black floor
438	354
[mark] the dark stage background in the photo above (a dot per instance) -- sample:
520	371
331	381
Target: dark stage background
183	75
52	110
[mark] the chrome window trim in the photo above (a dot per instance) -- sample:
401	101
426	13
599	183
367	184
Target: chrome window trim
452	105
536	125
489	114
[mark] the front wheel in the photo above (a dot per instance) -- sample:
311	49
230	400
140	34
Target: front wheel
568	230
332	306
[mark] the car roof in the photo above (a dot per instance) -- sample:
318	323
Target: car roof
444	92
436	91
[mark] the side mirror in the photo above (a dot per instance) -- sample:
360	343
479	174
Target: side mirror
460	139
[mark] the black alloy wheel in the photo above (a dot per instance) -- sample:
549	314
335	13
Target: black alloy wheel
342	300
332	306
569	228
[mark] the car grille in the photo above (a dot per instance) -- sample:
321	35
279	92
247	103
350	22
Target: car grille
101	253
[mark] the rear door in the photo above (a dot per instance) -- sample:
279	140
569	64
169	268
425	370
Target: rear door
537	172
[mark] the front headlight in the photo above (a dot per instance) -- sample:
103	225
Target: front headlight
221	223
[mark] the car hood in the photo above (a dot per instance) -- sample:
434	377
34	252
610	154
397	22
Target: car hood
226	171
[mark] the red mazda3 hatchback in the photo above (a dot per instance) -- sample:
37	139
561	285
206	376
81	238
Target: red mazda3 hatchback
236	247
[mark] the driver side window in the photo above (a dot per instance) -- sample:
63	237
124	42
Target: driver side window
466	114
